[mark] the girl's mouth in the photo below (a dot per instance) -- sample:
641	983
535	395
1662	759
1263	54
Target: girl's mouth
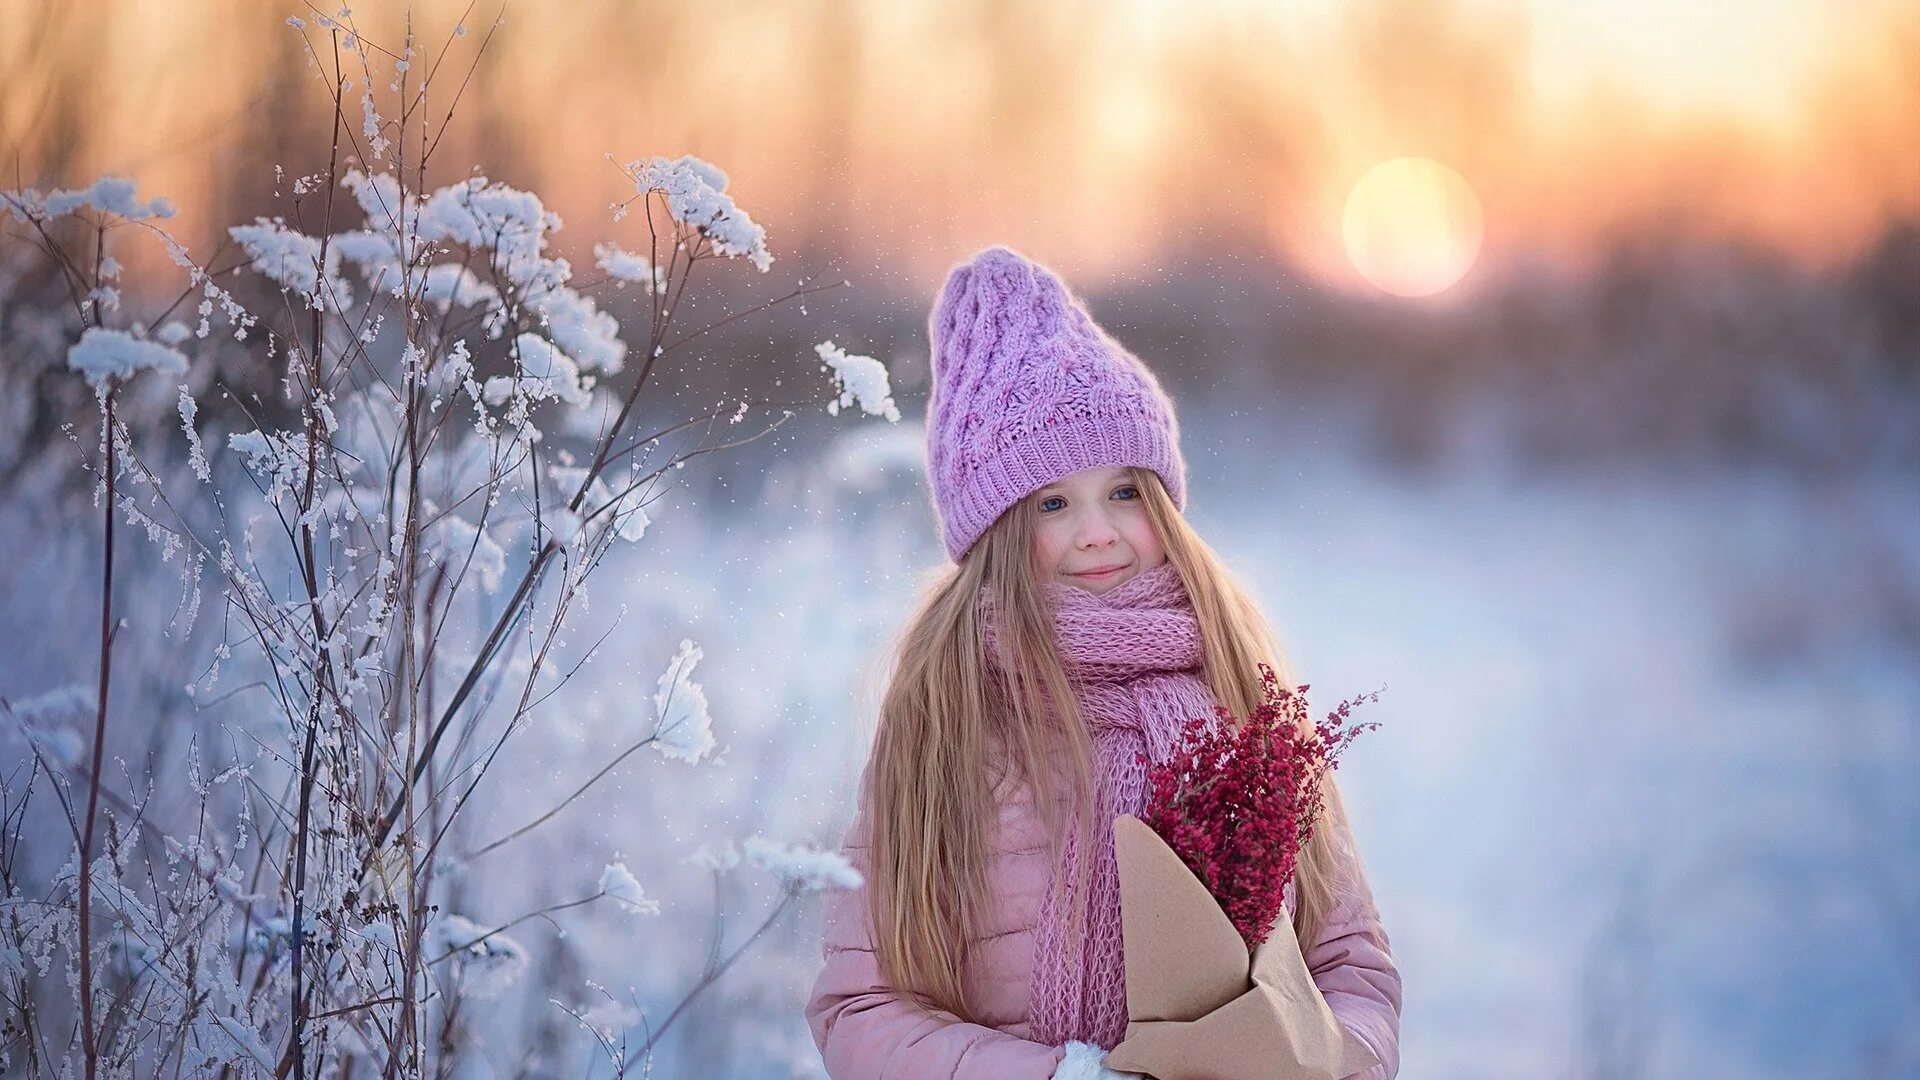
1101	575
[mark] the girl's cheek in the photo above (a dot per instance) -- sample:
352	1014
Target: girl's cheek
1049	542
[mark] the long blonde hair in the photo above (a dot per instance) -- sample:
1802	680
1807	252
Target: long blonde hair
950	727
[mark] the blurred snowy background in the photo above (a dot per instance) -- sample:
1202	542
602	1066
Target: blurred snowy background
1624	514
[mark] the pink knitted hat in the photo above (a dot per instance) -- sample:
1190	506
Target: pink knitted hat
1027	388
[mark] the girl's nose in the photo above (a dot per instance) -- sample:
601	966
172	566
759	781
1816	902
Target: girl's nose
1098	533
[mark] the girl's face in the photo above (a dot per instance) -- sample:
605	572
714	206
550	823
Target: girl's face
1094	520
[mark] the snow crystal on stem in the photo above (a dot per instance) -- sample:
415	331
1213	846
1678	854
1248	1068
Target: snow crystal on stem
486	215
804	868
630	519
860	379
452	284
103	354
238	1038
608	1019
544	372
293	259
695	192
624	266
455	539
196	453
589	335
108	195
684	730
370	117
487	966
52	721
278	457
724	857
620	886
377	256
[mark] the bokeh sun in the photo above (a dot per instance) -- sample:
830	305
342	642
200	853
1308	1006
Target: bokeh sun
1412	226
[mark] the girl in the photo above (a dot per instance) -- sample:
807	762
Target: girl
1082	622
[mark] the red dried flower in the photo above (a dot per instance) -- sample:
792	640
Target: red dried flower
1237	803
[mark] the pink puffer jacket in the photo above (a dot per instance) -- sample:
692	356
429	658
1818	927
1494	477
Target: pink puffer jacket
865	1031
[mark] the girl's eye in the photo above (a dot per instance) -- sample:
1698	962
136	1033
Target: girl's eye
1126	487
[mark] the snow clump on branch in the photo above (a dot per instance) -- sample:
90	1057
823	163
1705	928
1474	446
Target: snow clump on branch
685	729
619	885
861	379
696	196
108	195
103	354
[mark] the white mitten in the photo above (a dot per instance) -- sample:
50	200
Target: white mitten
1087	1061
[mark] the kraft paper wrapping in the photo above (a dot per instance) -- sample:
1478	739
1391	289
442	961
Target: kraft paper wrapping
1199	1007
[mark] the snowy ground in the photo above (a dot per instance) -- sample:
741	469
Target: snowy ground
1642	780
1635	809
1637	799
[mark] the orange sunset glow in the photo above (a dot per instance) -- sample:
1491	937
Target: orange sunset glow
904	132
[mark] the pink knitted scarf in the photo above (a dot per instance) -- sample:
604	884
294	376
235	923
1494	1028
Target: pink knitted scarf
1135	658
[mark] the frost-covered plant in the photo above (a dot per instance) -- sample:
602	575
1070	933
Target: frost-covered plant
451	448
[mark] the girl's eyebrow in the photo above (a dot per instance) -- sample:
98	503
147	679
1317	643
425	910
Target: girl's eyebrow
1121	480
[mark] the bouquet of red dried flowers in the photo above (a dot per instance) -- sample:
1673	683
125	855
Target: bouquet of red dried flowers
1238	804
1217	982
